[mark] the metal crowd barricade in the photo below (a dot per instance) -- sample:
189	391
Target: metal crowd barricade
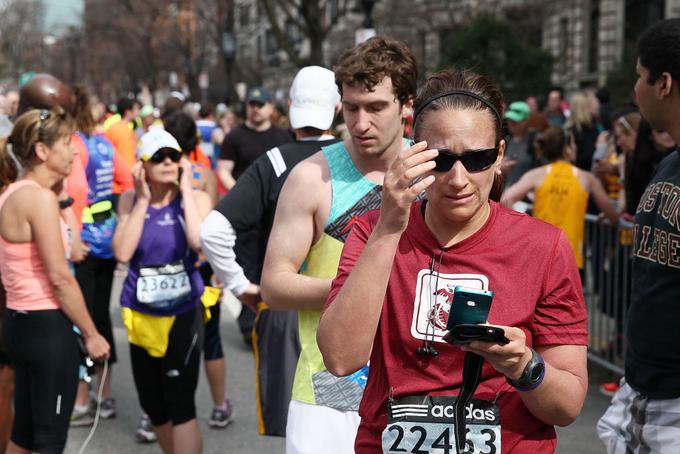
607	252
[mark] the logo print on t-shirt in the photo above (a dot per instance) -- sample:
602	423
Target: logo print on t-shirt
166	221
432	305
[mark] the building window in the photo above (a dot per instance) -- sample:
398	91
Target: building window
333	10
244	15
640	14
594	35
564	45
271	44
292	32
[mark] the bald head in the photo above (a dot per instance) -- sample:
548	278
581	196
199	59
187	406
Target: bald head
44	91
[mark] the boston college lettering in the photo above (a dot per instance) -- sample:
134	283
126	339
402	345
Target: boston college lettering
657	244
665	197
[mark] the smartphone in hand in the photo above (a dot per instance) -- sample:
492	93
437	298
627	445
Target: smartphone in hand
469	306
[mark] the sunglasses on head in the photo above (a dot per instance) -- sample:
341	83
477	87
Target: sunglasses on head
44	116
163	153
472	160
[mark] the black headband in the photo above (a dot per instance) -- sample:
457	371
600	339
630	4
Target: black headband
459	93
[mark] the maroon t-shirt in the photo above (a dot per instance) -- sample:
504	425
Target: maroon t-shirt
531	269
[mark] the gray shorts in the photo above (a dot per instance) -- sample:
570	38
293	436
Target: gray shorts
635	424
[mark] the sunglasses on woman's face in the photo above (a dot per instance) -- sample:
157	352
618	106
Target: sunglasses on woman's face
160	155
472	160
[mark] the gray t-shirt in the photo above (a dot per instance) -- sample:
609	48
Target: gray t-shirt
517	150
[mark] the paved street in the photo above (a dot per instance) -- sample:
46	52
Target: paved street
117	436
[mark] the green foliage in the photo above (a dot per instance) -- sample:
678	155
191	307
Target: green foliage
492	47
621	78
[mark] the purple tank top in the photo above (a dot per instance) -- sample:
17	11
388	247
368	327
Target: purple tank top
162	278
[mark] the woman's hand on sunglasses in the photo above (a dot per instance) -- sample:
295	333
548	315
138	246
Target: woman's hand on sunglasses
404	181
142	190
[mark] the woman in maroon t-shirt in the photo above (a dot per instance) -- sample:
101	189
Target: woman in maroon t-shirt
401	265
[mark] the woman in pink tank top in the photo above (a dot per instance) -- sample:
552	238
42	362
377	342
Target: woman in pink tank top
43	300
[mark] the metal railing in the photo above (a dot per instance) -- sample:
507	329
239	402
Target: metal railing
607	252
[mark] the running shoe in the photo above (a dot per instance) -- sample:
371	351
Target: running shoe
81	417
610	388
222	416
108	408
144	432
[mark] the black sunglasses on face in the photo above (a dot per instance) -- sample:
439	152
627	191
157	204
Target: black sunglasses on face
472	160
163	153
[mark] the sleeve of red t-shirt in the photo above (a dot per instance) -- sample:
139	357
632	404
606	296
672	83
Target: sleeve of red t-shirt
354	245
560	317
122	175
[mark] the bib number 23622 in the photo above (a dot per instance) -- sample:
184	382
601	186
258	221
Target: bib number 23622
163	286
426	427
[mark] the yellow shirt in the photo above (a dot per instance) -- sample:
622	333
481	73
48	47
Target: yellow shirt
561	201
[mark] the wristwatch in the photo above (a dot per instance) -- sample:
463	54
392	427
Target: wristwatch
533	374
67	202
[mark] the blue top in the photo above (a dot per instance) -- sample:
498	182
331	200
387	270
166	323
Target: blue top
98	231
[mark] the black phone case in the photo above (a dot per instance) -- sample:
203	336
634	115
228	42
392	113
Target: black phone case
466	333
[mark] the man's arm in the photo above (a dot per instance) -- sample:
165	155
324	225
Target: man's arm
601	199
227	160
291	238
225	167
210	185
239	211
519	190
217	241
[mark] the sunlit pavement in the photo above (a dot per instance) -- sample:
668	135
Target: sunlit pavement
116	436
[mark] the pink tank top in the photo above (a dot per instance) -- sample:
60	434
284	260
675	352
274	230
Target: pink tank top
23	274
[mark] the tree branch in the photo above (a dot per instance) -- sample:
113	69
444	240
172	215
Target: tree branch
281	38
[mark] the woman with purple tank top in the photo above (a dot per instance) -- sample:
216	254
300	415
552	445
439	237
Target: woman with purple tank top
158	234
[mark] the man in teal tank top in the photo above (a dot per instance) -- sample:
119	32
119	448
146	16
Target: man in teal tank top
321	199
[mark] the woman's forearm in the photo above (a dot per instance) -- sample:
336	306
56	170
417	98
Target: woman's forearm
559	398
127	236
347	329
72	303
192	218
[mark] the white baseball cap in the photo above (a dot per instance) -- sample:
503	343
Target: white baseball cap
153	141
313	97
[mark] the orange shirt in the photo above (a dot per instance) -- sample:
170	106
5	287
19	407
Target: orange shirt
124	141
196	156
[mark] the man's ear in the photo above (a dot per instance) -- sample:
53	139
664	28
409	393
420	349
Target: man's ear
407	108
665	85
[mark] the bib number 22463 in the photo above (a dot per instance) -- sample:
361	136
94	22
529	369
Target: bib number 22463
438	438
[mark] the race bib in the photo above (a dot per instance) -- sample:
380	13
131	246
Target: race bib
163	287
424	425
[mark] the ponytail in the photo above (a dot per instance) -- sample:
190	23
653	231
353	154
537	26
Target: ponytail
497	187
82	113
8	169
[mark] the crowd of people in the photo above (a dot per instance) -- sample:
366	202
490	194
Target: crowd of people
347	228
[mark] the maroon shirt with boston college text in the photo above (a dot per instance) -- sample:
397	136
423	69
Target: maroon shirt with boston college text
529	266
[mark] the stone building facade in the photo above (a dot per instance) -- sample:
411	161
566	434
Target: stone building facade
589	37
586	37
